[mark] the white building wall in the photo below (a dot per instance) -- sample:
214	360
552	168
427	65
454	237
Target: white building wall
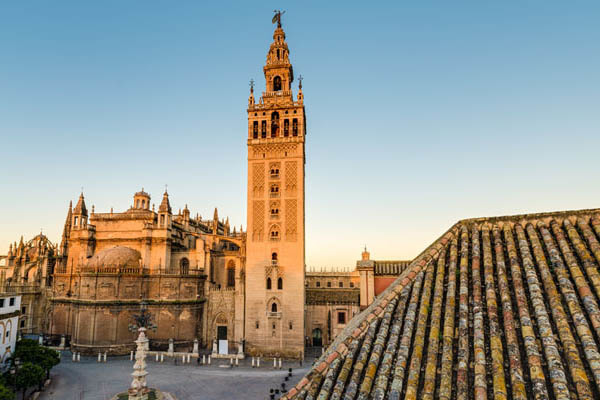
10	307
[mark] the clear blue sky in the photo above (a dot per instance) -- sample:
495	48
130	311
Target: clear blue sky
419	114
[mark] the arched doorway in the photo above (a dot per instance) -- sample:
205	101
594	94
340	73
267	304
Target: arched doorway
317	337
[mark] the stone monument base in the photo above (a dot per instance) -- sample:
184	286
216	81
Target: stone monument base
153	394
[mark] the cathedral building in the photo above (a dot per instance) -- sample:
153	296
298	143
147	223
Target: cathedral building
230	291
175	263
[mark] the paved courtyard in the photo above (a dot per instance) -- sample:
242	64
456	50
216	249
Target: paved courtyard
90	380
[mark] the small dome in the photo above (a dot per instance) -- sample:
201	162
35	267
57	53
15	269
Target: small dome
118	256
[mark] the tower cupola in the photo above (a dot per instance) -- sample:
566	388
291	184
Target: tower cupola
141	200
278	70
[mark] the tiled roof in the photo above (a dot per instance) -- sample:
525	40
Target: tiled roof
505	308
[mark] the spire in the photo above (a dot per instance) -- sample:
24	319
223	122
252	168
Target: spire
165	206
251	98
10	250
80	207
278	69
216	215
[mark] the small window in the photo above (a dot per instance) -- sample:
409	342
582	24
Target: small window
291	326
7	333
274	309
12	301
162	220
295	127
22	323
263	129
143	203
76	220
341	317
184	266
137	203
268	283
341	284
277	80
286	127
328	284
351	284
280	284
231	276
24	310
257	324
255	130
1	303
318	284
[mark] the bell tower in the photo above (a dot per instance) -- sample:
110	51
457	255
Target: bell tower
275	246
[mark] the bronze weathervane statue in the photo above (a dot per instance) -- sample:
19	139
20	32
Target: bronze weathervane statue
277	17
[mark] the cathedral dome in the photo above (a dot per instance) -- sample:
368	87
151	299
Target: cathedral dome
118	257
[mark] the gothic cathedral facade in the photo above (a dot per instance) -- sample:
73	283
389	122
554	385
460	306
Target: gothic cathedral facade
275	251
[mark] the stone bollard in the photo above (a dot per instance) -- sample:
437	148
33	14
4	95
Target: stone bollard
156	357
105	353
258	363
131	356
63	342
189	358
78	357
203	359
274	363
252	362
231	361
99	357
74	357
183	359
162	357
280	363
195	349
209	359
237	362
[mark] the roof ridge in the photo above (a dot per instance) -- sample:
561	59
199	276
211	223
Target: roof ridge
518	217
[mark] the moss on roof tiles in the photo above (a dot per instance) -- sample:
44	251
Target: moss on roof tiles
502	307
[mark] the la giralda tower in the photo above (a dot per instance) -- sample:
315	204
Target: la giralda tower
274	323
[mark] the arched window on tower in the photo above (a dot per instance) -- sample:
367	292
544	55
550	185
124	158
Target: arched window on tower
286	128
277	83
274	124
295	127
274	307
280	284
263	129
255	130
268	283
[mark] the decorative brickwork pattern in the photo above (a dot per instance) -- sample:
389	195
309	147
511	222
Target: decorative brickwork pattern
291	173
274	150
291	220
258	179
258	225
